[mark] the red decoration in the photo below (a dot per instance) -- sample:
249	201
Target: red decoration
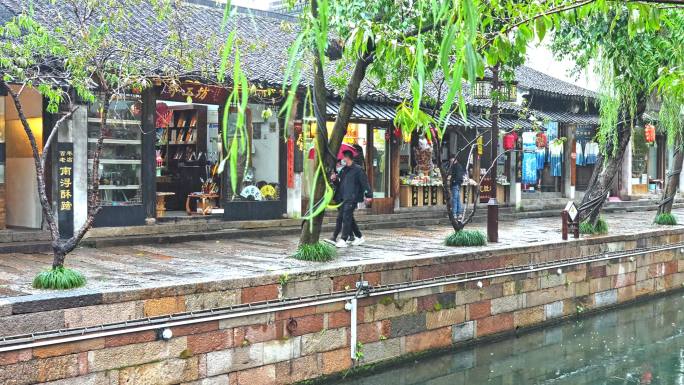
650	133
397	133
541	140
290	163
509	141
164	115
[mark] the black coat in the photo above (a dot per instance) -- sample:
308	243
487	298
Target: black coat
457	174
352	185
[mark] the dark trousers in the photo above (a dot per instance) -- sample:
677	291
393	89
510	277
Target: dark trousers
346	221
338	226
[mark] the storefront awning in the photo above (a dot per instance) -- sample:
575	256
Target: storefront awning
364	111
569	118
473	121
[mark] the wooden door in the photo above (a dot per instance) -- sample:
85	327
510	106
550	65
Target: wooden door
378	166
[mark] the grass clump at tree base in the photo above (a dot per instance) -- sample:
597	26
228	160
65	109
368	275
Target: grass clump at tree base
59	278
601	227
317	252
666	219
466	238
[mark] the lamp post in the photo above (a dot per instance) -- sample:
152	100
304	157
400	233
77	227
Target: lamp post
493	205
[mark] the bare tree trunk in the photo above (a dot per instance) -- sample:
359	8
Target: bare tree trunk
329	148
61	247
605	170
672	183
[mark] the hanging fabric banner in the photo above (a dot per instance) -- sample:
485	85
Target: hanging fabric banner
529	158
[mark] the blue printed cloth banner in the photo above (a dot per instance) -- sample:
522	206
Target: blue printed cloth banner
529	168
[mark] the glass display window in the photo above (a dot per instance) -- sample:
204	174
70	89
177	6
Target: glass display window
379	158
258	165
121	157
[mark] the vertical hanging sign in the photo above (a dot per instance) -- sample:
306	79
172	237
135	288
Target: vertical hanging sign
290	163
65	189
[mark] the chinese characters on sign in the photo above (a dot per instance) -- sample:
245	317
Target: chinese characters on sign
65	188
486	189
190	92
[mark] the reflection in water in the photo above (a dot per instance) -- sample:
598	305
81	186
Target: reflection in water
642	344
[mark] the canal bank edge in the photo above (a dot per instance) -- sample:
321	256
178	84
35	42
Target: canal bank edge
300	344
85	307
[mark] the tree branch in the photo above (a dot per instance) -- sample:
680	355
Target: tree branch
53	133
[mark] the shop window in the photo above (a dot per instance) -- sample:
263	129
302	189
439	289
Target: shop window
120	159
259	164
379	158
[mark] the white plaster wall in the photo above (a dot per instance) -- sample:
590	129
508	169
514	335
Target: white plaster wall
23	206
294	198
79	135
265	154
21	188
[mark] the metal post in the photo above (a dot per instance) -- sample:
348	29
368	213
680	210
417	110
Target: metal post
564	225
353	328
493	205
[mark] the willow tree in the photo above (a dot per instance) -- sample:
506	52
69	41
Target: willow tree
71	54
670	85
400	45
629	45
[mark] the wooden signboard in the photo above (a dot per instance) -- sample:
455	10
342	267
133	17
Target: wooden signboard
65	189
192	92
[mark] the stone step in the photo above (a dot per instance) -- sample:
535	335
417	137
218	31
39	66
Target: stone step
25	247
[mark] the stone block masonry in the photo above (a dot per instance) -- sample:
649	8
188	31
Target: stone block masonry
283	347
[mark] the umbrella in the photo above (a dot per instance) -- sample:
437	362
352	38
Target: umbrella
346	147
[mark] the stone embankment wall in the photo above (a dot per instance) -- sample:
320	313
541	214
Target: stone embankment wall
294	345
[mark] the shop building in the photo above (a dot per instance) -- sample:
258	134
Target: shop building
562	143
162	145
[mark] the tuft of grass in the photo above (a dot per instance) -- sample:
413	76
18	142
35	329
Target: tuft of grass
317	252
466	238
666	219
601	227
60	278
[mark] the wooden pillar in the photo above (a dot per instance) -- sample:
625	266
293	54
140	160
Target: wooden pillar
149	158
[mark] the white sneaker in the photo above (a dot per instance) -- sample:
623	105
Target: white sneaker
341	244
358	241
330	241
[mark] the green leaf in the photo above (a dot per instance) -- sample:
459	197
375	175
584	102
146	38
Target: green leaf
541	28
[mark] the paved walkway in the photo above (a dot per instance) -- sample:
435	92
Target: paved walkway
148	266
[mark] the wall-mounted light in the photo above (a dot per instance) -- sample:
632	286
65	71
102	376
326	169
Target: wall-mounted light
165	334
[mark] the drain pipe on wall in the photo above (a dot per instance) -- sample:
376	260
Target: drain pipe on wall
353	305
362	288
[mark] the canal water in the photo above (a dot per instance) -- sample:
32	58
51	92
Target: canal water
641	344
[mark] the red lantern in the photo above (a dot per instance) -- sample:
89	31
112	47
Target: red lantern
509	141
541	140
650	133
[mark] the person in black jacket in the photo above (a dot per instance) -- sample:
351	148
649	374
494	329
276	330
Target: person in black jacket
338	222
351	188
457	174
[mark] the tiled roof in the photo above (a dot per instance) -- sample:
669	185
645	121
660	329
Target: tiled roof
531	79
264	48
264	40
